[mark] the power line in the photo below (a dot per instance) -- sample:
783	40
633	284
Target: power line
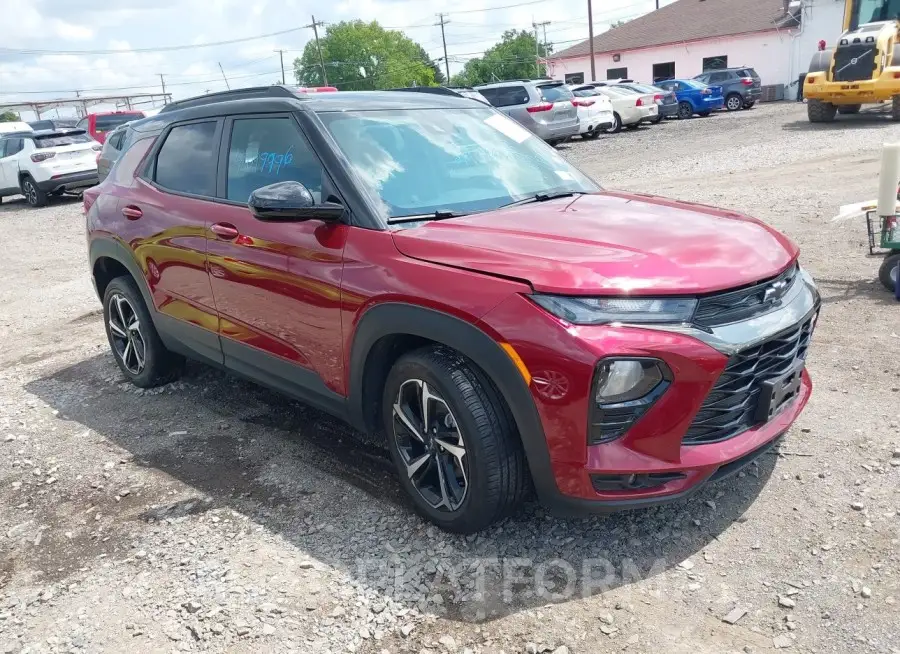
170	48
518	4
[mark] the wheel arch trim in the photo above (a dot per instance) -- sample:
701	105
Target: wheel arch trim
401	319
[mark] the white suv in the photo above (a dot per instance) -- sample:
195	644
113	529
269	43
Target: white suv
44	163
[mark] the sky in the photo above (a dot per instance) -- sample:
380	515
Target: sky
104	47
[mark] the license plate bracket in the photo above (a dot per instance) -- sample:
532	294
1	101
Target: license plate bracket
776	394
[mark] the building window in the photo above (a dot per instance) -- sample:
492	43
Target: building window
616	73
715	63
663	71
575	78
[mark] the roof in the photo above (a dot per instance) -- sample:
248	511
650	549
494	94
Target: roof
684	20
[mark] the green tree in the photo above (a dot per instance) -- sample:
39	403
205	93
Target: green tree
9	117
364	56
439	77
616	24
512	58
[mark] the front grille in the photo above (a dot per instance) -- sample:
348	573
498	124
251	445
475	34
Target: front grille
854	62
731	406
744	303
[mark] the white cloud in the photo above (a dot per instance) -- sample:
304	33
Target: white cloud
129	25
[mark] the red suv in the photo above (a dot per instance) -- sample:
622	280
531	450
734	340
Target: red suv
99	124
426	269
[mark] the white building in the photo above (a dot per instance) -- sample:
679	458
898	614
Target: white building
776	37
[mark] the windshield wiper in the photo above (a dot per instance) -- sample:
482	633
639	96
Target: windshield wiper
543	197
440	214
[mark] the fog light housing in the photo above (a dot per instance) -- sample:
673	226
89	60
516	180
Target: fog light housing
623	390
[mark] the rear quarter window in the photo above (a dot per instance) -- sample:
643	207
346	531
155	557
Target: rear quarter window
555	93
747	72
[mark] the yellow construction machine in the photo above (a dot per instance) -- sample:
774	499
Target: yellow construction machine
862	68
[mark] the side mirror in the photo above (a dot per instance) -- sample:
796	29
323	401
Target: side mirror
291	201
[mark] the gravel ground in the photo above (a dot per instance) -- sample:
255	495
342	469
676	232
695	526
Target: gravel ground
213	515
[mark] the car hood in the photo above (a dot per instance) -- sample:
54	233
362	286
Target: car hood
607	243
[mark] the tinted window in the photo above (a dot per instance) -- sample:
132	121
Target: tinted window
187	159
82	124
58	140
692	84
421	161
115	141
747	72
715	78
41	124
106	123
13	146
268	150
506	96
586	92
555	93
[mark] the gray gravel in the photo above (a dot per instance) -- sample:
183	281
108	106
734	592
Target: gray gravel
213	515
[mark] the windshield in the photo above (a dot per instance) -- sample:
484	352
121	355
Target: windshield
873	11
419	161
56	140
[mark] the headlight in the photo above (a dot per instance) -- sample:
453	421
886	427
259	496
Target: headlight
598	311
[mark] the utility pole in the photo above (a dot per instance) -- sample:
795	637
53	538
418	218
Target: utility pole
227	85
537	45
444	21
281	56
162	80
657	4
315	28
591	39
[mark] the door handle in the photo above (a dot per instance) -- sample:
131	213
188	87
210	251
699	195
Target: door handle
225	231
132	212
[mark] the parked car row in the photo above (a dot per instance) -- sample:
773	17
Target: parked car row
556	111
55	156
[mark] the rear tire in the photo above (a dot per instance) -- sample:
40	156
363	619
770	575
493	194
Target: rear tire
848	109
890	269
616	126
32	192
824	112
590	136
471	466
734	102
685	110
133	339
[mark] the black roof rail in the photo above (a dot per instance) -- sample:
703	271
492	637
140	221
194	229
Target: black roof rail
278	91
438	90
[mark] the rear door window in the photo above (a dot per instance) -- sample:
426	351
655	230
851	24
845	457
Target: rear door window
555	93
186	162
747	72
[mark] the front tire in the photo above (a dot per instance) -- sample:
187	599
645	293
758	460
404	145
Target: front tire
135	343
685	110
889	271
823	112
32	192
453	440
734	102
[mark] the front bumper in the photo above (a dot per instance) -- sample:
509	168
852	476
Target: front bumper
69	181
816	87
561	389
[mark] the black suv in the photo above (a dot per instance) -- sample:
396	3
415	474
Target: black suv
740	86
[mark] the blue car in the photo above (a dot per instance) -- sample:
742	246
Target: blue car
694	97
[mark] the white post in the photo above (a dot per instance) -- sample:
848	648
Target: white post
888	179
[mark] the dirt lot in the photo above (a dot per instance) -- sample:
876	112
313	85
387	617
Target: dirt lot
213	515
